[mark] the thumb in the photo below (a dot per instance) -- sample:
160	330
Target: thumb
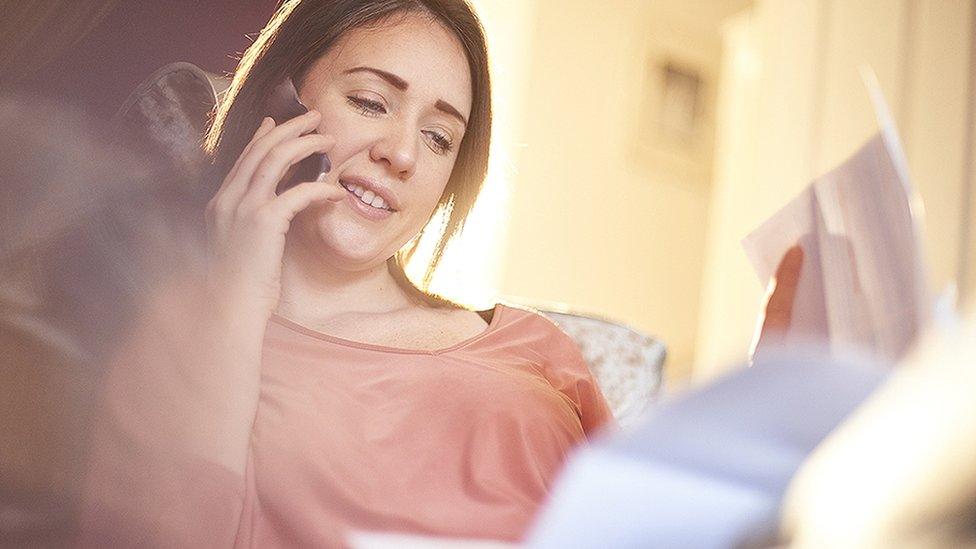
779	308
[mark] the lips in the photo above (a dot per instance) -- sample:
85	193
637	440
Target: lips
368	198
367	211
366	188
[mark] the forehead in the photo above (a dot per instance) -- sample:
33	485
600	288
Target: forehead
414	47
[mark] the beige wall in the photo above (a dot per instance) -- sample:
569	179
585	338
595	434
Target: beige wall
595	218
936	118
767	80
810	111
471	270
578	208
596	221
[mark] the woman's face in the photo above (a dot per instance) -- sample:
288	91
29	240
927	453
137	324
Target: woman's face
396	97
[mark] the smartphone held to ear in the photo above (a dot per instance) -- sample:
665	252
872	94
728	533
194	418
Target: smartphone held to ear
283	104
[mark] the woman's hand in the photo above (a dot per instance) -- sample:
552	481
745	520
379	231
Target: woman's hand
778	314
247	221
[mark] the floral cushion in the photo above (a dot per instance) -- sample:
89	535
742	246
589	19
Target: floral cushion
627	364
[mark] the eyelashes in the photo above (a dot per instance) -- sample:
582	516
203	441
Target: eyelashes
366	107
438	142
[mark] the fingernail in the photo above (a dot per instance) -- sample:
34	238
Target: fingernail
321	177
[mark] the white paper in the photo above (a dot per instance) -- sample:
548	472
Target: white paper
388	540
863	282
710	468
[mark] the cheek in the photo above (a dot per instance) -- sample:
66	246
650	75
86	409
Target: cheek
355	134
351	135
432	188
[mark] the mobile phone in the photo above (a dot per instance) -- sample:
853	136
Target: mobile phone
283	104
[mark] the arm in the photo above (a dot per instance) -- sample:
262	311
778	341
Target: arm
170	447
170	438
570	374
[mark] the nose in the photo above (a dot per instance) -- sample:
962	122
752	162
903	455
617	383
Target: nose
397	147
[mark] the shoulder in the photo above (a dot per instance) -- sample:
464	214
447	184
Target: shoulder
562	362
535	329
527	317
522	313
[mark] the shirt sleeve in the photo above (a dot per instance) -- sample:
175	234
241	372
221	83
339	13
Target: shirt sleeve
570	374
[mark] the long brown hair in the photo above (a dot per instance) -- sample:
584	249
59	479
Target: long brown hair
302	31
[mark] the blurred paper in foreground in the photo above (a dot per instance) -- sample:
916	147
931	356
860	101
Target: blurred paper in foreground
710	467
863	283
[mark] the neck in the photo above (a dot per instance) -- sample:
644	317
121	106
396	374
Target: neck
315	292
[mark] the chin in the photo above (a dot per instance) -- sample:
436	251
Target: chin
344	243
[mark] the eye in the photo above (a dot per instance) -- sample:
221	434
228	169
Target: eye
366	107
439	142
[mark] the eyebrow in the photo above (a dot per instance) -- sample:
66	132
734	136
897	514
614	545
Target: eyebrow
402	85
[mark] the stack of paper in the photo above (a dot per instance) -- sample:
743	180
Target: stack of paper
863	282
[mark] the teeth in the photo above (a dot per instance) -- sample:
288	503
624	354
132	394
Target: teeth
367	197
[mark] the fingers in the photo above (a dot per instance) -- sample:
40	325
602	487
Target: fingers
237	182
267	124
277	162
301	196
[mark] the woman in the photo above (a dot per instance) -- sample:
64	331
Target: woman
326	392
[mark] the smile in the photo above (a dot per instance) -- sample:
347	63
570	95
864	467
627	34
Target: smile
369	198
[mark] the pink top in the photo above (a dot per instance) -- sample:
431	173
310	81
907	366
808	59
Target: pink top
463	441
